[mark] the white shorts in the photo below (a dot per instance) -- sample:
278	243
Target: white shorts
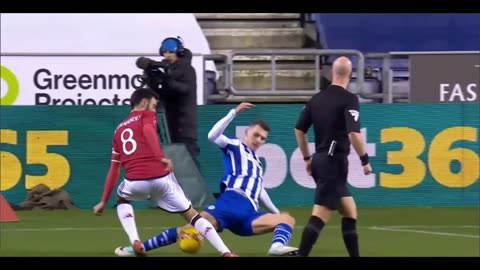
166	191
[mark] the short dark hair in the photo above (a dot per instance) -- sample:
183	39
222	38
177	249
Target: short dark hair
139	94
261	123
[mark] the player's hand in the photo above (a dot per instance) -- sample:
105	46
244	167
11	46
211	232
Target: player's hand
308	166
367	169
98	209
242	106
168	163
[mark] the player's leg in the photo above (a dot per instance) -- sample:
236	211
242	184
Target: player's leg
170	236
211	218
282	226
131	191
207	230
165	238
175	201
348	211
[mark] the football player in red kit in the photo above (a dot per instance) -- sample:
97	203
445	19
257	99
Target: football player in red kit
148	173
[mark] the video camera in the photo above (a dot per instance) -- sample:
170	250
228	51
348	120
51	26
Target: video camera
153	71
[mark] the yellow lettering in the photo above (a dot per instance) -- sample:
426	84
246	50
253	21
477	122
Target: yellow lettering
440	155
413	145
10	166
58	168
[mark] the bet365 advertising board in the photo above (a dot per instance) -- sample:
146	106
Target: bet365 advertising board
421	154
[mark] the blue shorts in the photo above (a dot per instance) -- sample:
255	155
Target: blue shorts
234	212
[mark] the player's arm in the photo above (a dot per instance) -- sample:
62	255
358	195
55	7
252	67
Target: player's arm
304	123
267	202
216	136
352	123
110	181
216	133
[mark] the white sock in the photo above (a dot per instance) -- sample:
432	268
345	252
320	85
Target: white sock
207	230
127	218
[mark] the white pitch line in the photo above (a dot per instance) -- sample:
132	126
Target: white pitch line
434	226
424	232
66	229
76	229
163	228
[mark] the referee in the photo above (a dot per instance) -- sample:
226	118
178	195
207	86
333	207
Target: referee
334	113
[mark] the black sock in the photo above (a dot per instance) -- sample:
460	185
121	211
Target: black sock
310	235
350	236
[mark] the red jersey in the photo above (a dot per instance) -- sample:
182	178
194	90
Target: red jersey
131	148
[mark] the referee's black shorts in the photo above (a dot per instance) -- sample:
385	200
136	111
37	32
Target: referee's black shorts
330	174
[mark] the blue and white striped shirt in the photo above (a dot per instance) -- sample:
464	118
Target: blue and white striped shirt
243	169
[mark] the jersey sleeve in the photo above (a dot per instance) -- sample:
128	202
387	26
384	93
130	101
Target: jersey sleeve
224	142
113	172
352	115
115	152
304	121
216	133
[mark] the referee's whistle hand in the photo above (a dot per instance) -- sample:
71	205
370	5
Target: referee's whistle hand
367	169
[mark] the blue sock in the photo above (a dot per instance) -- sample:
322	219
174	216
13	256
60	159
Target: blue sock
166	238
282	234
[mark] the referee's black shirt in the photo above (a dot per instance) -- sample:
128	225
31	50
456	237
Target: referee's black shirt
334	112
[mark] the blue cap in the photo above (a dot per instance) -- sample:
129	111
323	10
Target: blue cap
170	45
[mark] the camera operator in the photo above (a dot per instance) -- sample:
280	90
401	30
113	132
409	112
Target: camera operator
177	87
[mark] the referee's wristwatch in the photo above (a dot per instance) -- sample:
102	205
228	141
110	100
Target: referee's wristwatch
307	158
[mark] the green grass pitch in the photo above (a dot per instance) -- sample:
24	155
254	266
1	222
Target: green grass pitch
436	232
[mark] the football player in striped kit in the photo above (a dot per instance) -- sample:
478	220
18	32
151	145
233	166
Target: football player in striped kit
237	208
